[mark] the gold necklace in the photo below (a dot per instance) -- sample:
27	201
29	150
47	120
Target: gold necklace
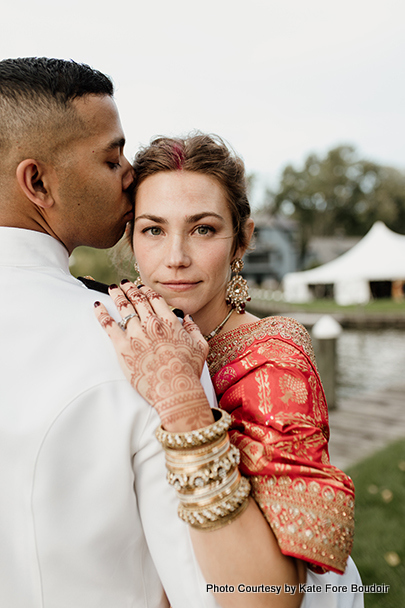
219	327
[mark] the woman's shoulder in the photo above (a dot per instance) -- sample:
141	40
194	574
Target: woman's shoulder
231	344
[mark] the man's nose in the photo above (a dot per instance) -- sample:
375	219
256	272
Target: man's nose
128	173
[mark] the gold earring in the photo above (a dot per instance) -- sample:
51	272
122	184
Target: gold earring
237	291
137	280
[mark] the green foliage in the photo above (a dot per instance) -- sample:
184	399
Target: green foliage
104	265
340	194
379	543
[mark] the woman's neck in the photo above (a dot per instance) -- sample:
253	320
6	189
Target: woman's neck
207	321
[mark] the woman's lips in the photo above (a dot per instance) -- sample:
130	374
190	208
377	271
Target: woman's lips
180	285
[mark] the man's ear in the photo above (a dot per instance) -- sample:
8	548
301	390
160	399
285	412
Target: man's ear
249	228
31	179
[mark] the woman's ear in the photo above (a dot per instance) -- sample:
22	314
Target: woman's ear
30	176
249	228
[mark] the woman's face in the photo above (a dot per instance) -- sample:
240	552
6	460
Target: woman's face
183	242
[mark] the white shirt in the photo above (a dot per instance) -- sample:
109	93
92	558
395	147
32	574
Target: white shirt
87	519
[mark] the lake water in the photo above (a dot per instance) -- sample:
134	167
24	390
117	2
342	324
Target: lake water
369	360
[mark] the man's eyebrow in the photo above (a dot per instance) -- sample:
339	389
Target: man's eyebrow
116	143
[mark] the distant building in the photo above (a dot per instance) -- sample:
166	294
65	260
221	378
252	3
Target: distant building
275	250
323	249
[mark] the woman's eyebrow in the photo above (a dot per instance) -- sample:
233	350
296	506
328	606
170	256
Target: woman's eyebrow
199	216
190	219
152	218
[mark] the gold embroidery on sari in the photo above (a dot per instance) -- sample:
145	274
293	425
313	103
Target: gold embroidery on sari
308	519
264	391
230	345
280	425
276	350
225	378
253	454
293	389
248	363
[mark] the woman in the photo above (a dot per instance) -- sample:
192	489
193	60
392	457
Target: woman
191	229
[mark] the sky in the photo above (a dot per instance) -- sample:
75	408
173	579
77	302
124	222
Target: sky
278	79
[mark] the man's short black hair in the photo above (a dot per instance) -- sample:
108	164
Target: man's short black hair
43	76
37	96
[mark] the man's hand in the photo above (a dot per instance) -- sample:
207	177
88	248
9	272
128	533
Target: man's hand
161	358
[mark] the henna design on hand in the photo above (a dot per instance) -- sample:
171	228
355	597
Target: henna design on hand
105	320
164	364
121	302
190	325
135	296
151	294
162	360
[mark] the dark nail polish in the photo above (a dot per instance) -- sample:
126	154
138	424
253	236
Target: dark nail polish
113	286
139	286
179	313
96	304
124	281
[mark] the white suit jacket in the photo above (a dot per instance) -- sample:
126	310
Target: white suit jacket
87	519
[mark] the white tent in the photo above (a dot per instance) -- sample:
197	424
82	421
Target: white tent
379	256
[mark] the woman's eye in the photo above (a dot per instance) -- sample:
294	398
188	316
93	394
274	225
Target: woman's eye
204	230
154	230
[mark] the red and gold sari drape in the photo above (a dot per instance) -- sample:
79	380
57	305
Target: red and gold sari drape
265	376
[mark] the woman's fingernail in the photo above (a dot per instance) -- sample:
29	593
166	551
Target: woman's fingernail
139	286
96	304
179	313
124	281
113	286
191	318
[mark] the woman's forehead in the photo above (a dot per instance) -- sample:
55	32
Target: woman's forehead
183	192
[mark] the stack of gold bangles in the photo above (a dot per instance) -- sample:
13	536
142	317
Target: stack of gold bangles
203	467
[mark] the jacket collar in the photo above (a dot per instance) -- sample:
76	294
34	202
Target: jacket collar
20	247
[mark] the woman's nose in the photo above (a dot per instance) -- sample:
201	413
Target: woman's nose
177	254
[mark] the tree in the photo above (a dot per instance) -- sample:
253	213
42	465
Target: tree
340	194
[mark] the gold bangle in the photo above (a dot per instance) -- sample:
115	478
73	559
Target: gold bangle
209	526
196	437
204	497
190	477
198	455
220	512
208	495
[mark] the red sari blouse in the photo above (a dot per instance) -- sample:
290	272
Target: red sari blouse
265	376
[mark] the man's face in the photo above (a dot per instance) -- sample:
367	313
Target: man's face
92	204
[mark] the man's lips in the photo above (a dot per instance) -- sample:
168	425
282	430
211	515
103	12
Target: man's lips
129	216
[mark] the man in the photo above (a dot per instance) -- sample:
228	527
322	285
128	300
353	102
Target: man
86	516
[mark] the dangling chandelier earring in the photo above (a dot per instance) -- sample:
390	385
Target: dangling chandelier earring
237	291
137	280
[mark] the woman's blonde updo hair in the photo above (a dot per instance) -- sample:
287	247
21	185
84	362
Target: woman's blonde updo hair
205	154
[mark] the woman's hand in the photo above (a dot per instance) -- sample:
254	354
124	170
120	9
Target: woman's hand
161	358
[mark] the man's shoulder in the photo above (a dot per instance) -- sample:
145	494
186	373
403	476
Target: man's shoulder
94	285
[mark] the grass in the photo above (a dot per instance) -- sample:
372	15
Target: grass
381	306
379	544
